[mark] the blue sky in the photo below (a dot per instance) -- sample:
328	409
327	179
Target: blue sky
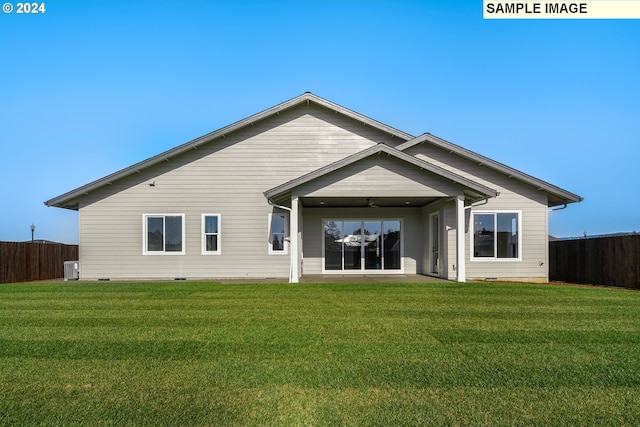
91	87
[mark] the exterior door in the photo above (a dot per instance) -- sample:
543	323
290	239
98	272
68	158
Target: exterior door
352	243
372	245
362	245
434	243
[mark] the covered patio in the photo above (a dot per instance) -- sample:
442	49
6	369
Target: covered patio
371	215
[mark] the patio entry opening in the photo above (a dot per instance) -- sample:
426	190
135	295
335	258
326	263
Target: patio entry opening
362	245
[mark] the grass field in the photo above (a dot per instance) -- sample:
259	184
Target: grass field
331	354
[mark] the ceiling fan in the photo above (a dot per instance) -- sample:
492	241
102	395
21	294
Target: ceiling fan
372	204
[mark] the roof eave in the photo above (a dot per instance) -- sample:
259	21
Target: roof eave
560	193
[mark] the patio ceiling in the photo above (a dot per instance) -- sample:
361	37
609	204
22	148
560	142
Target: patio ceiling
366	202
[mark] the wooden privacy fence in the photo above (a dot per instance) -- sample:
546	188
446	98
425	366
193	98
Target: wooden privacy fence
611	261
24	262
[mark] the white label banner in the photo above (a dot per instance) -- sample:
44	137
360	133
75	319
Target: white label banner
586	9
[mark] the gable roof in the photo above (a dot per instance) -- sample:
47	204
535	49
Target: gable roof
473	189
70	200
557	195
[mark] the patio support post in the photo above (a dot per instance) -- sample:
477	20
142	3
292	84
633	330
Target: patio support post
460	249
294	275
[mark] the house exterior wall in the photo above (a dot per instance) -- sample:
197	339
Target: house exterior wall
379	176
313	233
514	196
227	177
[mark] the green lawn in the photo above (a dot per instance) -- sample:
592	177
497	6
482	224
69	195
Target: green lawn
332	354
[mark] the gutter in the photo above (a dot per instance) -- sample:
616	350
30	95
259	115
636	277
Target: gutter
278	206
483	202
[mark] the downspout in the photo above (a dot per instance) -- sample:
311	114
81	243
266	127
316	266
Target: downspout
564	206
460	239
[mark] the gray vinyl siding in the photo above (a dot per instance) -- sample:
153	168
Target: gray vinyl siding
229	175
514	195
226	177
379	176
313	233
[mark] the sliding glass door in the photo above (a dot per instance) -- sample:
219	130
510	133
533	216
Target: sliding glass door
372	245
391	242
333	245
352	245
362	245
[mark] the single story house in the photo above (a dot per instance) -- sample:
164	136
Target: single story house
311	187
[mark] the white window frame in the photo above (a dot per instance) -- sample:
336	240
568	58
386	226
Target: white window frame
204	234
494	258
145	235
285	250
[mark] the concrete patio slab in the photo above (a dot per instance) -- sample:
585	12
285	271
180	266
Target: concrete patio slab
344	278
370	278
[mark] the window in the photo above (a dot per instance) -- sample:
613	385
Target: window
163	234
278	223
496	236
362	245
391	244
211	234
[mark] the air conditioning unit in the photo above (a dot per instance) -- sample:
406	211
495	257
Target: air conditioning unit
71	270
